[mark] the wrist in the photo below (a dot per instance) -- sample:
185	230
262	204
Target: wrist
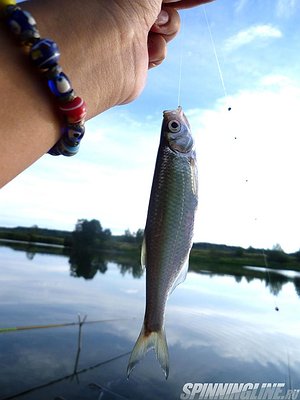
98	52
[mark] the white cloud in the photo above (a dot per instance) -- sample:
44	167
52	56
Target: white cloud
249	35
276	80
248	185
286	8
109	180
249	168
116	197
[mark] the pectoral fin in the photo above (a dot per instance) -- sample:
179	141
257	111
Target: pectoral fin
194	175
143	254
182	275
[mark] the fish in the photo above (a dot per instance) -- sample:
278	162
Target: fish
168	234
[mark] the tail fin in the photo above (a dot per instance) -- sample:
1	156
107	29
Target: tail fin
146	342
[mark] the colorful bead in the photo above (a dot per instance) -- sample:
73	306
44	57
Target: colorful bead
74	110
66	149
44	54
8	11
23	25
67	97
60	86
54	151
75	132
52	72
6	3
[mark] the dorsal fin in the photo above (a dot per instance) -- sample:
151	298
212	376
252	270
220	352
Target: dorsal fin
143	254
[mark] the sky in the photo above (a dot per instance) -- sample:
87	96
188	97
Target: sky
248	158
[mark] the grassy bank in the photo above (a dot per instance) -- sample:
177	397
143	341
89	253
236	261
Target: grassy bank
203	255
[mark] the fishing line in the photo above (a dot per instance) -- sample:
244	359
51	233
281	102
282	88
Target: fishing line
216	56
180	61
265	257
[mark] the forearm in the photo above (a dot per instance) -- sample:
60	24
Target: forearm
30	125
89	44
104	52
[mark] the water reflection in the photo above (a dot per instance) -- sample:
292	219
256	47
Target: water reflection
85	263
221	327
49	386
274	279
297	285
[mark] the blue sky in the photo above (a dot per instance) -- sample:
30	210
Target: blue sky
248	158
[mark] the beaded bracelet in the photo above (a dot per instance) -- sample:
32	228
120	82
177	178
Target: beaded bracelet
44	55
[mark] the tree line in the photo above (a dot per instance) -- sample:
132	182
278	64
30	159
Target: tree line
86	233
89	234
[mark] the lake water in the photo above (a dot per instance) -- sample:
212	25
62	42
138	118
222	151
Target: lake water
219	327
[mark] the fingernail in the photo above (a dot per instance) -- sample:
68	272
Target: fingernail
163	18
152	65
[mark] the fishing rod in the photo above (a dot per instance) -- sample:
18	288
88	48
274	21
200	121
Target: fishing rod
32	327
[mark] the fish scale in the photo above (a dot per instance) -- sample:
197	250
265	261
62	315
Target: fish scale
168	232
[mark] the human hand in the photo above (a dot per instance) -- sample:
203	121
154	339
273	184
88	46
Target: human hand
151	25
106	49
116	42
166	27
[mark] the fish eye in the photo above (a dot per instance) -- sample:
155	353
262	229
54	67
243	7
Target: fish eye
174	126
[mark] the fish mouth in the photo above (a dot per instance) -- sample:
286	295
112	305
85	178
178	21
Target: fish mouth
177	113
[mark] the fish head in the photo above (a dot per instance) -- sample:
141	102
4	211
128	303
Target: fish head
176	131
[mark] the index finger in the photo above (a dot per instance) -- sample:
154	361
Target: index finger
181	4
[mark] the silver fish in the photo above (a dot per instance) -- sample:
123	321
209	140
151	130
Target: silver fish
168	232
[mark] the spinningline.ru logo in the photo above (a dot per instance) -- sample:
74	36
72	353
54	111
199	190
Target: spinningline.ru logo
238	391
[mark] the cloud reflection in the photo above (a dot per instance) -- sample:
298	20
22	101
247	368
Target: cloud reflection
217	329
